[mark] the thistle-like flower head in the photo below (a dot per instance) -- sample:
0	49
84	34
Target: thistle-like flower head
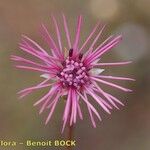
71	71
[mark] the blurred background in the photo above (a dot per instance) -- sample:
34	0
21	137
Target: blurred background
126	129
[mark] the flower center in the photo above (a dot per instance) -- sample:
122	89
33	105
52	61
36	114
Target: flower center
74	73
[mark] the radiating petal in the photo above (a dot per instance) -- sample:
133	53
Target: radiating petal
112	84
66	31
52	109
58	32
89	104
77	36
112	64
89	37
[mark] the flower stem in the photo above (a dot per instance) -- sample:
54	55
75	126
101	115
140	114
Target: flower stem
70	135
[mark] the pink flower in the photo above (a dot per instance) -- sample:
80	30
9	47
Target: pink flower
72	73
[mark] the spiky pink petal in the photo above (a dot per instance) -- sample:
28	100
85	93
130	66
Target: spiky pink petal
77	36
90	112
46	35
113	77
89	37
97	37
53	108
48	95
66	31
79	109
104	49
58	33
111	84
67	109
90	105
112	64
105	95
98	99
